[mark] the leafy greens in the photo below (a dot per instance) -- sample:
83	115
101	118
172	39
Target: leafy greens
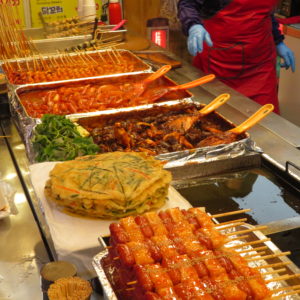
57	139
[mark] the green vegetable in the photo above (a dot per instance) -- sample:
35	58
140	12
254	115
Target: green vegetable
57	139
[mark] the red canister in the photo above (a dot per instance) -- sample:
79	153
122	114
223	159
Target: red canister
115	12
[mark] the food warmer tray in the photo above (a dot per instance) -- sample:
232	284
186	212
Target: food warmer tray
252	236
176	159
26	124
51	45
143	67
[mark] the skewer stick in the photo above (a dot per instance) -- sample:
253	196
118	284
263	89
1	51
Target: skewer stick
255	254
113	51
293	287
18	64
238	238
246	230
270	256
253	249
281	264
99	54
284	295
91	58
109	55
231	222
118	53
5	136
283	277
132	282
249	243
231	213
229	226
274	272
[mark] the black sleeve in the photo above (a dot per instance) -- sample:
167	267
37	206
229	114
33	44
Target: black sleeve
192	12
278	37
189	13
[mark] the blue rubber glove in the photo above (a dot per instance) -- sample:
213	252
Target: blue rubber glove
197	36
287	55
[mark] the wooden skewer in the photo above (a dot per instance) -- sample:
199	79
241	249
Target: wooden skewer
110	57
231	213
274	272
115	55
284	295
5	136
270	256
253	249
249	243
231	222
283	277
238	238
255	254
286	288
118	52
246	230
130	289
281	264
132	282
224	227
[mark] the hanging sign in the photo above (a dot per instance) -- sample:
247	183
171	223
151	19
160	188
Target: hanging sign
55	10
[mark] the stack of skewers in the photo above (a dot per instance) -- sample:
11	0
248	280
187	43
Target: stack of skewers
179	254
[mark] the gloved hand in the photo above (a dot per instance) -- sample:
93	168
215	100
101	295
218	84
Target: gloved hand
198	35
288	56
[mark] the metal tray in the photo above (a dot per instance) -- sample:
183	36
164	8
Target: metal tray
26	124
142	67
180	158
51	45
131	78
291	269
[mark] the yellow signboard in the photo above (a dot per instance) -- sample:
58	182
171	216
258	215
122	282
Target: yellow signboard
55	10
18	11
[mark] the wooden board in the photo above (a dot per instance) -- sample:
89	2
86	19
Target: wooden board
135	43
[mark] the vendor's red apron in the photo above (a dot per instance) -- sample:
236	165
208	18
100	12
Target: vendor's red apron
243	55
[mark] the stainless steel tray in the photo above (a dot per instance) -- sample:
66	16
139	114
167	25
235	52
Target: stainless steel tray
26	124
143	67
192	156
291	269
51	45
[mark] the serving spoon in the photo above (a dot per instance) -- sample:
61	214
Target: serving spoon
225	137
184	123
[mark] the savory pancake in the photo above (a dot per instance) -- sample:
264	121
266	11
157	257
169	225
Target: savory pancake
110	185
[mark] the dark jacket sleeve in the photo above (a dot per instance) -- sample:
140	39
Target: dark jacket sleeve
192	12
278	37
189	13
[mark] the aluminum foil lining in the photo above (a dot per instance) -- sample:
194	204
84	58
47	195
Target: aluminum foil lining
24	124
147	68
251	236
209	154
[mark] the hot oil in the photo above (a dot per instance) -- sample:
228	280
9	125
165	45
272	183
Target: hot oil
258	189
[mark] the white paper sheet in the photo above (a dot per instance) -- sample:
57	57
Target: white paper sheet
74	236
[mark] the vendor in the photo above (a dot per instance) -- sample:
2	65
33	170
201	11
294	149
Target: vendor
237	41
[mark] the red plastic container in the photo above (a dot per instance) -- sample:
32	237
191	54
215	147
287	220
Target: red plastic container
115	12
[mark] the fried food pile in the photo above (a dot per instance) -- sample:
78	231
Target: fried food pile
70	288
177	254
110	185
67	67
153	132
